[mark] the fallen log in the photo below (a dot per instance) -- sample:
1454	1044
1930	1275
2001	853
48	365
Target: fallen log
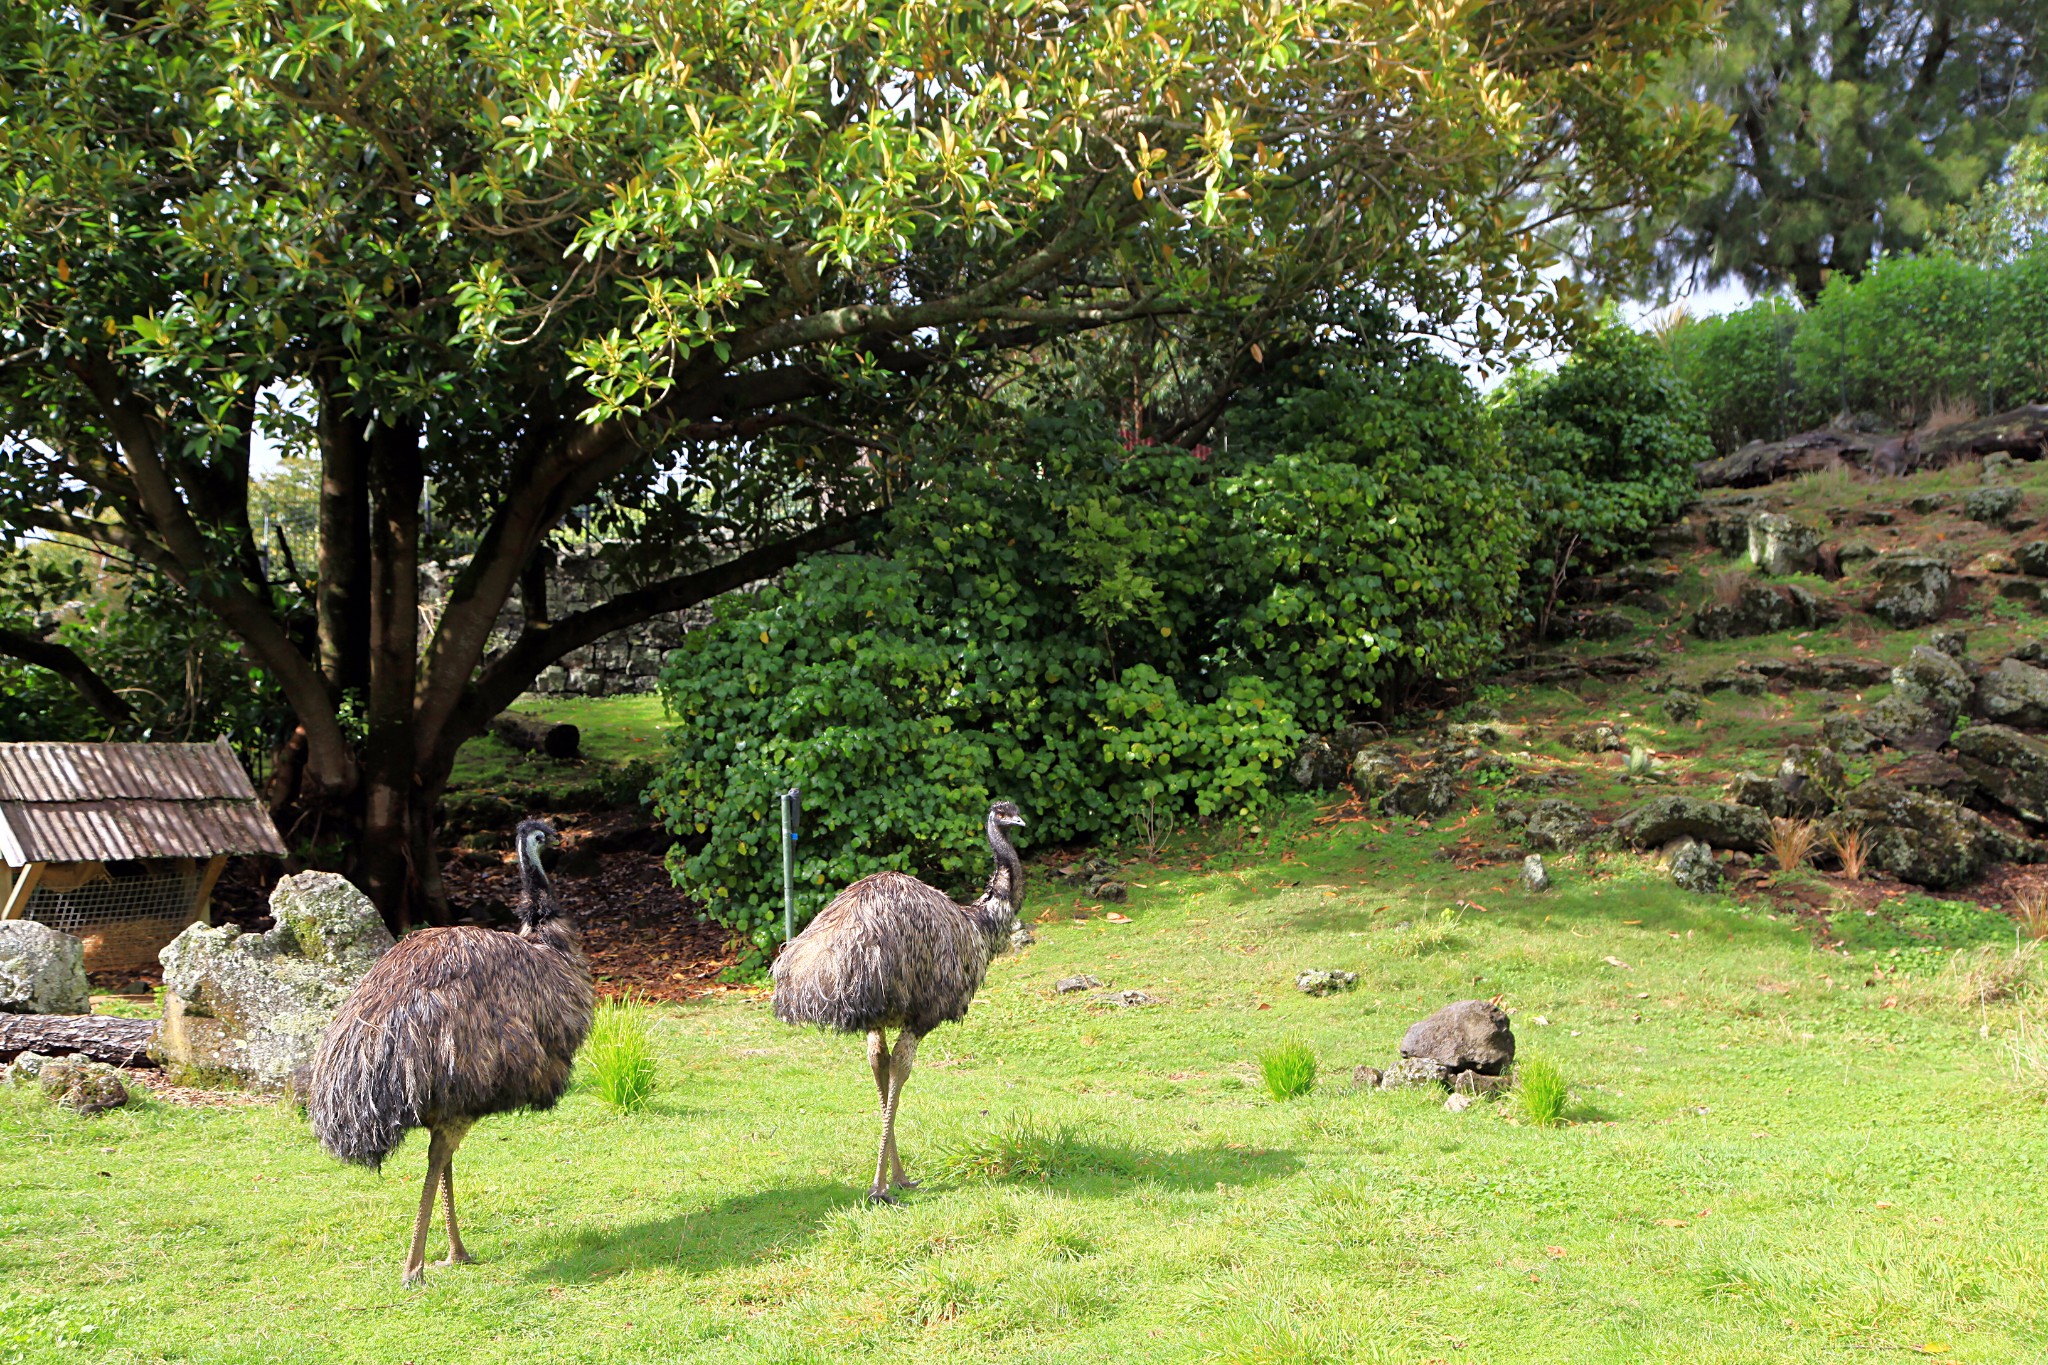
1762	462
537	736
102	1037
2021	433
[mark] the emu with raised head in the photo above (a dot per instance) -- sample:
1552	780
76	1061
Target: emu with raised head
890	952
450	1025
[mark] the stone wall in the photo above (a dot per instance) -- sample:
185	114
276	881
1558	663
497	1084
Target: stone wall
623	662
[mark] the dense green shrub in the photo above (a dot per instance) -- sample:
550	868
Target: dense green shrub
1738	368
1093	631
1913	334
1607	443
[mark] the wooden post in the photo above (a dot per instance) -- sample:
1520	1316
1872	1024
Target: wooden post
24	883
203	904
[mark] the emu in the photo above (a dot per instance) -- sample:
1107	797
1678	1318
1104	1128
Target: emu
890	952
450	1025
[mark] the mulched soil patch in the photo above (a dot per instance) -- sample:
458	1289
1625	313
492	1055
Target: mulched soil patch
163	1091
641	934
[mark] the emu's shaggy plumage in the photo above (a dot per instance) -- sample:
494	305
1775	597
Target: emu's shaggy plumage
890	952
450	1025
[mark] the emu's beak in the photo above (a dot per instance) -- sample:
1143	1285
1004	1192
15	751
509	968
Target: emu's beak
1019	822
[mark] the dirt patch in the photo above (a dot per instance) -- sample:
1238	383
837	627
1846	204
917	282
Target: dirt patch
163	1091
639	931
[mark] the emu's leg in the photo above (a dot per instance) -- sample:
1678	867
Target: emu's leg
438	1152
878	1062
457	1255
889	1161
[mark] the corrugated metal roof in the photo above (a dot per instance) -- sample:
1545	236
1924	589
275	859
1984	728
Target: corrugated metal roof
76	802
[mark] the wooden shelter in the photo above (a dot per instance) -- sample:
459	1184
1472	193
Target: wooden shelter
120	844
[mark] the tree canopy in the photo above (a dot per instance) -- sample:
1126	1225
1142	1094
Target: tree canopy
688	271
1853	124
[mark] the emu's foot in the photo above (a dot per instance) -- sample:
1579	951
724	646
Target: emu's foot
458	1258
903	1182
880	1195
413	1276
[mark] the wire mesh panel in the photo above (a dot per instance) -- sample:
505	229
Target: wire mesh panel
115	900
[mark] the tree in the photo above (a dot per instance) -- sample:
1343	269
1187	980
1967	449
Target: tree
1853	124
686	271
2007	217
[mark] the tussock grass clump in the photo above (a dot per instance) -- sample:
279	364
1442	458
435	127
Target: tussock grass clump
619	1056
1290	1070
1851	852
2026	1051
2030	905
1030	1150
1991	973
1791	841
1540	1086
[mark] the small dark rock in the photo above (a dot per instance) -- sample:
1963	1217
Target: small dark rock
1318	765
1366	1077
1693	867
1422	797
1995	506
1115	892
2033	558
1067	985
1954	643
1535	877
1598	737
1473	1083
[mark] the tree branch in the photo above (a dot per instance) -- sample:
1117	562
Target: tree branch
65	663
540	645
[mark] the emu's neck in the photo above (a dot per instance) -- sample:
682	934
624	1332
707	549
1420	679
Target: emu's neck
1005	893
537	909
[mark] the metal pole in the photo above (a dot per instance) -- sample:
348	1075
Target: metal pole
788	803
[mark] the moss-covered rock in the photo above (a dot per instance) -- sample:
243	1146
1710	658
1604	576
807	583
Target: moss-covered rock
1932	678
1721	824
1779	545
2010	766
249	1009
2014	693
1761	609
1912	591
1925	839
42	970
1551	824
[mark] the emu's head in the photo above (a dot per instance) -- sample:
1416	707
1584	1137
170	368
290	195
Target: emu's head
530	838
1005	813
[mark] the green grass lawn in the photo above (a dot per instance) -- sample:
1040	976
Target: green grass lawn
1774	1154
621	735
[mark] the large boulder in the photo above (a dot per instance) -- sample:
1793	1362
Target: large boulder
1805	785
2014	693
1912	590
249	1009
1471	1035
2010	766
42	970
1779	545
1373	770
1720	824
1761	609
1925	839
1933	774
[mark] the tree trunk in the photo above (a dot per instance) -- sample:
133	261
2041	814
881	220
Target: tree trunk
390	750
343	598
102	1037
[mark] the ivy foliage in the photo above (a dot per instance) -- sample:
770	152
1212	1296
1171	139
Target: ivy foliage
1607	443
1099	631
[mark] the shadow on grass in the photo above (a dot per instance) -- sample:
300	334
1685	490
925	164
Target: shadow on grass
1061	1156
733	1231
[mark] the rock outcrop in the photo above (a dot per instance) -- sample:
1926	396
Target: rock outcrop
248	1009
1925	839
